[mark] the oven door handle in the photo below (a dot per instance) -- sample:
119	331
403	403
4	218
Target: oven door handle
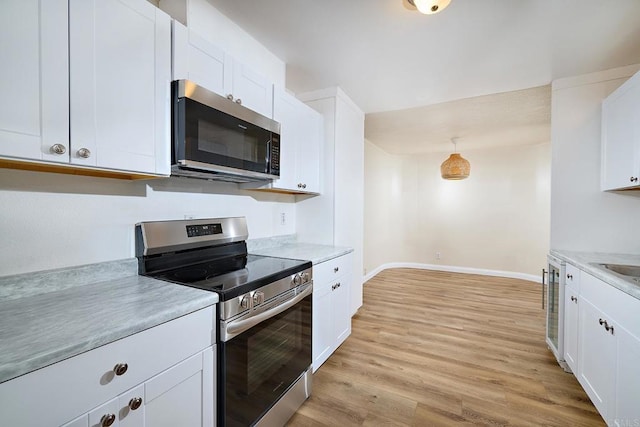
238	327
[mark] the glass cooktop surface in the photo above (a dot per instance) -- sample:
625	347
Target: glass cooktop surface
235	275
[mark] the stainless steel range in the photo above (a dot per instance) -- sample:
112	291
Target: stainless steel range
264	322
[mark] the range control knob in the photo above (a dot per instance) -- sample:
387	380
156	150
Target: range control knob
297	280
305	277
244	301
258	298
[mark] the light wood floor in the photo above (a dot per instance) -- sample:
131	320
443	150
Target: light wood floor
435	349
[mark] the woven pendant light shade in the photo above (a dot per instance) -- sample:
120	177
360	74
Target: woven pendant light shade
455	167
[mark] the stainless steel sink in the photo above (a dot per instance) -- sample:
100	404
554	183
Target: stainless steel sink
624	270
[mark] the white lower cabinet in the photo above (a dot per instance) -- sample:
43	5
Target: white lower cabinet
571	313
627	391
163	376
331	307
597	357
180	396
602	347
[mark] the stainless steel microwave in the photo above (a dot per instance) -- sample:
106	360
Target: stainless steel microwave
216	138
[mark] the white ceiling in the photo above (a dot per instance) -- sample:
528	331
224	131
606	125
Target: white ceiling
387	56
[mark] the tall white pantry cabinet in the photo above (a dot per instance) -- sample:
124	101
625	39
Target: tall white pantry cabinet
336	217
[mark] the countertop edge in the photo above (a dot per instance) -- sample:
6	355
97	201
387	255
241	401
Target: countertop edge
585	261
316	253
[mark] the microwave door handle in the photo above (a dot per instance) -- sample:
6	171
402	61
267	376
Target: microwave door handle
237	327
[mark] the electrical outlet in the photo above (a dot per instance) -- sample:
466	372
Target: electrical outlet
438	255
283	218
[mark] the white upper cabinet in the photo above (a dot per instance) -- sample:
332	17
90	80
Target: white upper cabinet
251	89
200	61
195	59
34	79
120	85
89	83
621	137
301	133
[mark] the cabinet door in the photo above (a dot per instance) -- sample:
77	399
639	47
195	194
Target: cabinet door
627	378
308	152
130	409
341	310
182	395
82	421
596	357
195	59
286	111
34	79
120	69
621	136
104	413
323	324
252	89
571	328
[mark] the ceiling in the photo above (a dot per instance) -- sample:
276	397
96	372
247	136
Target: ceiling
386	56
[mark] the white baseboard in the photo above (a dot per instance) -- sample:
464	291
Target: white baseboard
453	269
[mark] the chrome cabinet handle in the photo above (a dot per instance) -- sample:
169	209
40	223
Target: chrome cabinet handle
84	153
135	403
107	420
570	276
633	179
300	185
58	149
120	369
574	299
606	325
336	286
336	269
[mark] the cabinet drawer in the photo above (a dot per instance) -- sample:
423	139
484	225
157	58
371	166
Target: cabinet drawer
620	307
331	269
572	277
64	390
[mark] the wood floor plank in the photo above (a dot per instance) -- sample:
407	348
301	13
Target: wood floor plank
433	348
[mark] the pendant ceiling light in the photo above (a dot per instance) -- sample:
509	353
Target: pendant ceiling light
429	7
455	167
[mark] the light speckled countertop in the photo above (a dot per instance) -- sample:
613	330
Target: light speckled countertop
46	317
287	247
589	262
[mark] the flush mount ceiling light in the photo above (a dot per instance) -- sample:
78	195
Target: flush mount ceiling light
455	167
429	7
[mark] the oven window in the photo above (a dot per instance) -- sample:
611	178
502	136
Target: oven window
214	137
260	364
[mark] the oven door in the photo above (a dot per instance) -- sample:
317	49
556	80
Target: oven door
212	133
259	364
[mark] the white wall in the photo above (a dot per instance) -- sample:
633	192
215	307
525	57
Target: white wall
583	218
52	221
496	220
384	224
